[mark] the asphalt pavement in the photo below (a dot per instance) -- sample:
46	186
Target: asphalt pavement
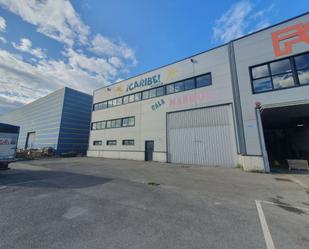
93	203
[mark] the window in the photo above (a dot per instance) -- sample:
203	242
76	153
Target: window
128	142
283	79
118	123
125	122
152	93
189	84
260	71
131	121
125	99
204	80
108	124
113	123
94	126
179	87
131	98
146	95
170	89
97	142
119	101
99	126
302	67
160	91
281	74
138	96
111	142
261	85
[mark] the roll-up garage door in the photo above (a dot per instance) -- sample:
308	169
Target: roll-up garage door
202	136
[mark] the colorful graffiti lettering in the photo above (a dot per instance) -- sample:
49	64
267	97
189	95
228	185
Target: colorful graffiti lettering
158	104
190	98
150	81
288	37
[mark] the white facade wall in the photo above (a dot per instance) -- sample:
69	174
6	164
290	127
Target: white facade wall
257	49
150	123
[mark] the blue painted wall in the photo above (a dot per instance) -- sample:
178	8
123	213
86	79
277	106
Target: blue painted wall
42	116
60	120
75	122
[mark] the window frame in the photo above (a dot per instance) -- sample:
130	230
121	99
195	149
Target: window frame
128	140
111	142
294	72
132	97
94	143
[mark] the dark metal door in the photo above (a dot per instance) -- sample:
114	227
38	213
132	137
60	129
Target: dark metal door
149	148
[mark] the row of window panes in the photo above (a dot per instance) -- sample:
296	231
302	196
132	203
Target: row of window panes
114	142
114	123
184	85
288	72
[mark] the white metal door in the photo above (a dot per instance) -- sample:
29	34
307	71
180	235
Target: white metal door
202	136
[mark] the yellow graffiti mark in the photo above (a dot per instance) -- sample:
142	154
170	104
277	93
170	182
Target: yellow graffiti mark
171	73
119	89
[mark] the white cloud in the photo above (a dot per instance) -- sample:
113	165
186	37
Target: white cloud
26	46
23	82
2	24
90	60
242	18
104	46
2	39
56	19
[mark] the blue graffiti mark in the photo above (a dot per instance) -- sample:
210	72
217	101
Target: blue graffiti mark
158	104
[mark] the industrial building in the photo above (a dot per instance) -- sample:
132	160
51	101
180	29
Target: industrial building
243	103
60	120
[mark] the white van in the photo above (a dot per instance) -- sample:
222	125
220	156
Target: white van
8	144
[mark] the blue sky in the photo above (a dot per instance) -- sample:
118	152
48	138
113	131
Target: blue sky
85	44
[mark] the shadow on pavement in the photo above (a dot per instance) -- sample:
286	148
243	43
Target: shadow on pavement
49	179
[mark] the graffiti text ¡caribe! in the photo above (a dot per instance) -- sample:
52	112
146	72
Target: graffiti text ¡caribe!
150	81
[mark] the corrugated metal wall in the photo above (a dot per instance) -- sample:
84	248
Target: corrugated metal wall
202	136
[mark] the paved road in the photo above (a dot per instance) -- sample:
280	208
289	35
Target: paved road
117	204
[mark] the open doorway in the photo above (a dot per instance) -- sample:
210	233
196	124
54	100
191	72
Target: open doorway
286	132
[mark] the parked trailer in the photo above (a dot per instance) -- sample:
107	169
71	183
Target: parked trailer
8	144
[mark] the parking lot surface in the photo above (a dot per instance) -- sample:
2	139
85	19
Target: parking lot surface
85	203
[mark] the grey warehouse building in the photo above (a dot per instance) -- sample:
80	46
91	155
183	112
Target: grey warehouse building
60	120
245	102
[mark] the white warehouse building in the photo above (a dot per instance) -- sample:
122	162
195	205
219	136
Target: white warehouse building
243	103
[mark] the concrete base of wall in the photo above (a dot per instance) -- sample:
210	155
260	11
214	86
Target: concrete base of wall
130	155
251	163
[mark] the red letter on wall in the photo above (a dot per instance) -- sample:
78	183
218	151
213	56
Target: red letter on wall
289	36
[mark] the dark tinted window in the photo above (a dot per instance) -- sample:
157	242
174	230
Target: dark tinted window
160	91
189	84
281	66
204	80
128	142
302	61
111	142
179	86
97	142
262	85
